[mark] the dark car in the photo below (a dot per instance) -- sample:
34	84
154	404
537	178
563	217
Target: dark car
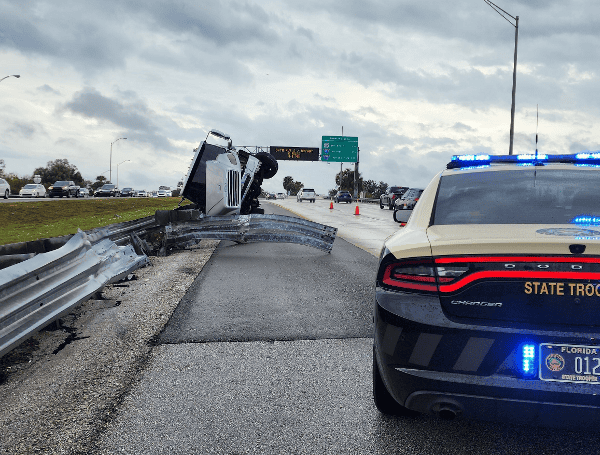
391	194
107	190
343	196
127	192
486	302
271	196
63	188
408	199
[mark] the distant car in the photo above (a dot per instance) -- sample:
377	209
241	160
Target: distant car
281	196
33	190
343	196
153	194
107	190
127	192
162	193
306	194
4	189
388	198
408	199
142	193
84	192
62	188
271	196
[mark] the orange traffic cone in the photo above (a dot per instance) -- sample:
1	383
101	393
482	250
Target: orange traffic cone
356	211
331	206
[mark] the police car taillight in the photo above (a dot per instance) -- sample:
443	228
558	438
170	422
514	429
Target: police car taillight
410	275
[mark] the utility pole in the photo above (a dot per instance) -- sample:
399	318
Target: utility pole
514	86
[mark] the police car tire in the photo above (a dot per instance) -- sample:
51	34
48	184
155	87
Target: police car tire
268	164
384	401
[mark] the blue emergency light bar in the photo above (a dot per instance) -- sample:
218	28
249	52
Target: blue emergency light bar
528	159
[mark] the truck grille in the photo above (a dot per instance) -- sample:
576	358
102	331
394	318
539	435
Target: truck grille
233	188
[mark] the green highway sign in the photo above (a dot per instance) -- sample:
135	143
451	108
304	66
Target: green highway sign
339	149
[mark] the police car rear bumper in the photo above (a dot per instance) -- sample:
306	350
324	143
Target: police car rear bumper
452	370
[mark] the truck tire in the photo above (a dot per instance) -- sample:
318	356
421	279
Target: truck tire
268	164
380	204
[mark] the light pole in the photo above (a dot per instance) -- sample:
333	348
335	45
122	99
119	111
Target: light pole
11	75
514	87
110	163
118	171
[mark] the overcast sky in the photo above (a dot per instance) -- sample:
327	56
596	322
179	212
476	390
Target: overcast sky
416	81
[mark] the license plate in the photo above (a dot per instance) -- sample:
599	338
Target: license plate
570	363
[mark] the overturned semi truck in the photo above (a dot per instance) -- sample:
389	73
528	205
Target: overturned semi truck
223	181
224	184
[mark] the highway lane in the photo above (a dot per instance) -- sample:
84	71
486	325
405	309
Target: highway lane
269	352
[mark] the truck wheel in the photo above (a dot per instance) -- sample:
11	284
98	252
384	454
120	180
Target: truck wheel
268	164
380	204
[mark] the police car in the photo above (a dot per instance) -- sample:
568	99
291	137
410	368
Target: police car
488	301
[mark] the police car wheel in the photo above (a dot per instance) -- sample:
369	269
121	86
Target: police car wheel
384	401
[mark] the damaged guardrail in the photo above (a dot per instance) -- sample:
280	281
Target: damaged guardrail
47	284
184	228
38	291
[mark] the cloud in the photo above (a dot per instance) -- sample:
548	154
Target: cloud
47	89
138	122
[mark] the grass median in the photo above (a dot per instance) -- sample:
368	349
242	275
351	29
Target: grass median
26	221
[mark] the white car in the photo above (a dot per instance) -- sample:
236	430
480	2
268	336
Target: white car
4	189
163	193
306	194
142	193
83	192
33	190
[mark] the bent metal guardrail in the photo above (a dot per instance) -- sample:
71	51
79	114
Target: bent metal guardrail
46	284
186	228
38	291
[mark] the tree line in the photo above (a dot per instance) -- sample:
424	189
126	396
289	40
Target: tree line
344	181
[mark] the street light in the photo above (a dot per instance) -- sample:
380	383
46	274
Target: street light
110	163
118	171
514	87
11	75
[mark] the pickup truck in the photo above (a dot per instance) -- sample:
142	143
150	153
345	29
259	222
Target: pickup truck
63	188
306	194
391	194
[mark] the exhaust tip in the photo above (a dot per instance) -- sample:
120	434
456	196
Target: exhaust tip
447	414
446	410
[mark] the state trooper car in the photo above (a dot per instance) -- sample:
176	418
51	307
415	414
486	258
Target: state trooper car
488	301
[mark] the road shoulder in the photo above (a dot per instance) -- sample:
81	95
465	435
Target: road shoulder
66	383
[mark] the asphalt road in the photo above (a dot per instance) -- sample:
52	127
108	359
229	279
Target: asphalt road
269	352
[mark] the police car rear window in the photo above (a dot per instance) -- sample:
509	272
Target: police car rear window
529	196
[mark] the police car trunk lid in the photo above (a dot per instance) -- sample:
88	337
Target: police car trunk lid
533	274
